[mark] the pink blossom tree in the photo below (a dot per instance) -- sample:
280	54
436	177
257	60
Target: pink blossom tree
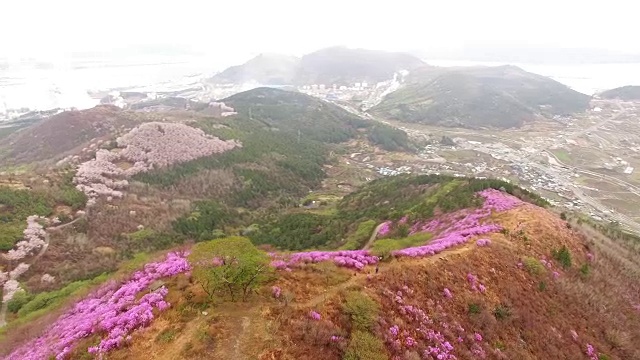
148	146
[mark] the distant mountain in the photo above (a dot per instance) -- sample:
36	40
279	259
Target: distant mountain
335	65
270	69
516	53
315	119
340	65
478	97
628	92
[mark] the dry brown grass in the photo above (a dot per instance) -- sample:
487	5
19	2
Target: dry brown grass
537	325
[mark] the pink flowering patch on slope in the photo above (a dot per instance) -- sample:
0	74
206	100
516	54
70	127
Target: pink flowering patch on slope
458	227
433	334
356	259
113	312
454	229
148	146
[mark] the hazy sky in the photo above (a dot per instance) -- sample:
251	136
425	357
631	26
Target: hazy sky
240	28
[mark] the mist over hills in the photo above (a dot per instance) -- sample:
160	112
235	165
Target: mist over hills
334	65
627	93
520	54
474	97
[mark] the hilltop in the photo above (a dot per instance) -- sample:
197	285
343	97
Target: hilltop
270	69
344	66
59	134
626	93
479	97
470	268
319	120
334	65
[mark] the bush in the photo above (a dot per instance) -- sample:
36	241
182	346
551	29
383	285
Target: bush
542	286
207	217
49	299
474	308
585	269
563	216
167	335
384	247
20	298
533	266
501	312
362	309
563	256
232	266
365	346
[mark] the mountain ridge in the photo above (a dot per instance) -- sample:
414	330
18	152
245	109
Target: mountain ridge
629	92
334	65
476	97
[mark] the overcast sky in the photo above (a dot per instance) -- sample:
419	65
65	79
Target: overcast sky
240	28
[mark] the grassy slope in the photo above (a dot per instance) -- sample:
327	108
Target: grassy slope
419	197
500	97
294	112
59	134
525	315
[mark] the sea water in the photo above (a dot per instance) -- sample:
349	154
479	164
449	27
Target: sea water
37	86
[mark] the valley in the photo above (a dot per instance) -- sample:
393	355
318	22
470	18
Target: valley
598	182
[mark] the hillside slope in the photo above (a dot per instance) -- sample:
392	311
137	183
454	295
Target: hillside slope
627	93
297	113
334	65
344	66
500	279
60	133
269	69
498	97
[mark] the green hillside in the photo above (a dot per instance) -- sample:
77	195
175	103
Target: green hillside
318	120
623	93
351	221
499	97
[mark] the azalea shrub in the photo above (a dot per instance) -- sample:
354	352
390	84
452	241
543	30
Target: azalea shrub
356	259
458	227
112	313
427	329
